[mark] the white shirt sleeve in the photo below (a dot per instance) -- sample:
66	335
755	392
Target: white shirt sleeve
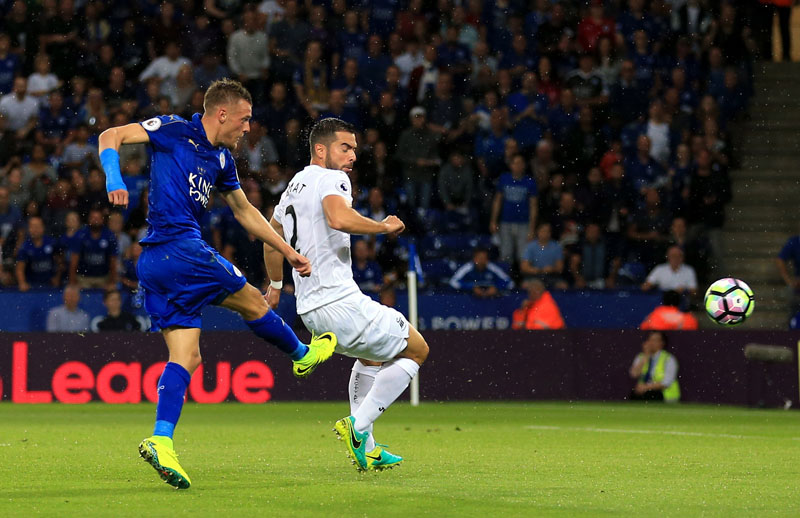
337	183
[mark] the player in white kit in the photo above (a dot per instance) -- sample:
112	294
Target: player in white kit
316	218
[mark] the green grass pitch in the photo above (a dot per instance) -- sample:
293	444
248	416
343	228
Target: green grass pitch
488	460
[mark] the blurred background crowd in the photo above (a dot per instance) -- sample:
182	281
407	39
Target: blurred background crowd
578	144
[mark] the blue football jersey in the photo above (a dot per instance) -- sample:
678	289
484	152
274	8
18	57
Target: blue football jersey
184	167
40	262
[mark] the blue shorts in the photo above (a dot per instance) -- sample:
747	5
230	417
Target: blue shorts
180	278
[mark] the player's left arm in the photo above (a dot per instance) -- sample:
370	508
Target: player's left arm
254	222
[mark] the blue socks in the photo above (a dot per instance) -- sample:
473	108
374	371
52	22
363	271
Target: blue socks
171	391
274	330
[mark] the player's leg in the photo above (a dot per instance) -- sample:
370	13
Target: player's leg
268	325
362	378
184	358
390	381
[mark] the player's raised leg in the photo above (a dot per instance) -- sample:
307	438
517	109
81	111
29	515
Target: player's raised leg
269	326
184	358
390	381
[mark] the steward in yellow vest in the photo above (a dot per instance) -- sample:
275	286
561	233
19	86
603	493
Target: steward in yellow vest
655	371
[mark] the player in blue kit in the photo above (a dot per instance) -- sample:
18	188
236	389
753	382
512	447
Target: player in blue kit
178	271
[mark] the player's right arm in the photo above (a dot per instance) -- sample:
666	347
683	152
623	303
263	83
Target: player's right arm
273	260
341	216
109	143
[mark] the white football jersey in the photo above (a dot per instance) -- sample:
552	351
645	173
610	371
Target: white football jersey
306	230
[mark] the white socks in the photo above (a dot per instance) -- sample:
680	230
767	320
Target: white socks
391	380
361	379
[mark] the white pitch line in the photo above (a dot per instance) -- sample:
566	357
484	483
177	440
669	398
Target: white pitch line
652	432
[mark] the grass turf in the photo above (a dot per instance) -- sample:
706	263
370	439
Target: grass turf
462	459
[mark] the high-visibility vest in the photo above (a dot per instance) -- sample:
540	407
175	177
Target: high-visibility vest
671	393
542	314
668	318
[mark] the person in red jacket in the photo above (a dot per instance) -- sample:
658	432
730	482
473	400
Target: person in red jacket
668	315
539	310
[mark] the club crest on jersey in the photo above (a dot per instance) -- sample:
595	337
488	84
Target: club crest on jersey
343	187
222	160
152	124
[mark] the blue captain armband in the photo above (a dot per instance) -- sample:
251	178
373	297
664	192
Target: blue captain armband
109	159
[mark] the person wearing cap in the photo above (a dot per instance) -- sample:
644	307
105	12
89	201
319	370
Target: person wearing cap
418	152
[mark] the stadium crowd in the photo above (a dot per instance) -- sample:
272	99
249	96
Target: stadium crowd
576	142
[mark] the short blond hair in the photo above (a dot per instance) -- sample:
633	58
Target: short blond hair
223	91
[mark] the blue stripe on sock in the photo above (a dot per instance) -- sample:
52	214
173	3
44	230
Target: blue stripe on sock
274	330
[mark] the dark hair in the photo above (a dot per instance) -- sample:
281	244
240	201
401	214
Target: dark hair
324	131
664	338
671	298
224	91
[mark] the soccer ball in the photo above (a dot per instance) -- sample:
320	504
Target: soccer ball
729	301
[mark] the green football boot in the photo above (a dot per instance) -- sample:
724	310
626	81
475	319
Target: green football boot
356	441
320	349
380	459
165	461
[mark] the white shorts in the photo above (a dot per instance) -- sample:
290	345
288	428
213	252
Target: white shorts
364	328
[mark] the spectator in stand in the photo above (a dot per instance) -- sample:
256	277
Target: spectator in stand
539	310
490	145
38	175
248	55
594	26
257	150
166	67
9	64
514	210
790	253
78	153
528	108
641	170
648	229
456	186
584	144
418	149
481	277
709	192
586	83
10	228
311	81
42	81
93	260
544	259
597	268
54	123
68	318
366	272
564	116
696	249
71	236
39	264
543	164
115	319
277	113
209	70
20	109
668	316
655	371
673	275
